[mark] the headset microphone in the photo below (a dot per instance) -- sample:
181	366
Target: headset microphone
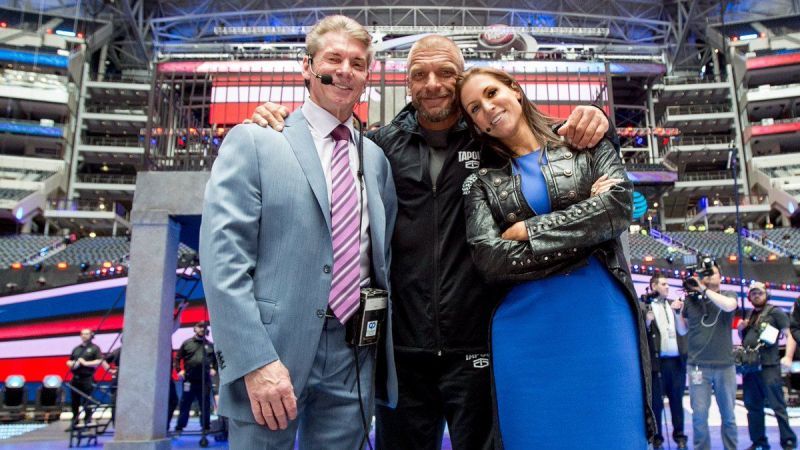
324	79
488	129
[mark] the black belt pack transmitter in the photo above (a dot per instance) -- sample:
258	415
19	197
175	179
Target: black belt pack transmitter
366	325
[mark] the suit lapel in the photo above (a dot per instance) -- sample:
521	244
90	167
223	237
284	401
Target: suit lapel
302	143
376	213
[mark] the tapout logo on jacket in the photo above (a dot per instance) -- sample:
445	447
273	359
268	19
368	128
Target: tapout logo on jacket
471	160
479	360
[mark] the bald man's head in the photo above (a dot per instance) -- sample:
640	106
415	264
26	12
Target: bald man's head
437	42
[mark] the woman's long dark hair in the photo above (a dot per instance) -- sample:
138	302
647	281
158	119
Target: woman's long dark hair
541	124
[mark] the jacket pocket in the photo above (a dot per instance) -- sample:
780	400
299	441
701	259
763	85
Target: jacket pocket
266	308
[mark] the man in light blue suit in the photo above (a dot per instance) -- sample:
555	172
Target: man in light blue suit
290	233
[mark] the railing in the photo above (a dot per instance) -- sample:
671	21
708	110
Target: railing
789	120
687	79
63	204
37	123
113	141
703	140
127	78
765	241
702	176
645	167
774	88
107	179
670	241
788	171
138	110
697	109
190	163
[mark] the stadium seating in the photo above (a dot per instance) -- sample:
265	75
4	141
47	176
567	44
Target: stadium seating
644	245
101	249
783	171
14	194
92	251
718	244
12	173
19	247
788	238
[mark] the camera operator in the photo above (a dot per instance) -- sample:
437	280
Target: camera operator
666	336
761	330
708	314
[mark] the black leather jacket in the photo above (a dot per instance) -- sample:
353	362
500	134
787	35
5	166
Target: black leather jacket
579	225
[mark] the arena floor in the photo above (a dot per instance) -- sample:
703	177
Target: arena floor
54	436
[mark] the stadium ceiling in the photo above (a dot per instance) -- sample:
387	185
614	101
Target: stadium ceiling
678	27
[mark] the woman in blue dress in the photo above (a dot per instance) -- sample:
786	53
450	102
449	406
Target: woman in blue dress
543	220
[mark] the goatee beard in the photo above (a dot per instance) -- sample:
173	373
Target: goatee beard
439	116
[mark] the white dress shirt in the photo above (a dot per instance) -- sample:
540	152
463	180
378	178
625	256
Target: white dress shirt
665	319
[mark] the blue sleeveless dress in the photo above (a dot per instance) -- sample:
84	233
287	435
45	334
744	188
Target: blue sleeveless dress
565	354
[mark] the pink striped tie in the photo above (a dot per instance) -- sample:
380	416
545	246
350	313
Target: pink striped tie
345	216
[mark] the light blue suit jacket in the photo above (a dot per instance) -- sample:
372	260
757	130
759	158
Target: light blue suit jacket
265	246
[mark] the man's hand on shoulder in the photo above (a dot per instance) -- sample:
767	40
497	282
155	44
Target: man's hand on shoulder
269	114
271	395
585	127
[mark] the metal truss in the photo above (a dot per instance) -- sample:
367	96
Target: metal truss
143	27
130	45
633	22
690	46
62	8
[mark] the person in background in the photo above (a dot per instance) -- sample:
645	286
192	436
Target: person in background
708	313
668	356
765	386
83	362
196	364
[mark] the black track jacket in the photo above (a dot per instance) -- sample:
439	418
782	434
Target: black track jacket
441	304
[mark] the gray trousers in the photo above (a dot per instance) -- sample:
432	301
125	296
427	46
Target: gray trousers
329	414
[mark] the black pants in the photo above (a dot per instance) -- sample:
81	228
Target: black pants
433	390
172	403
202	393
670	381
758	387
86	386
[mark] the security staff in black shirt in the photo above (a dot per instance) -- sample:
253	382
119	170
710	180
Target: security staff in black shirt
196	364
82	363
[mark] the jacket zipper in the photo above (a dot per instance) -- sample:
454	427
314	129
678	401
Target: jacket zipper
436	255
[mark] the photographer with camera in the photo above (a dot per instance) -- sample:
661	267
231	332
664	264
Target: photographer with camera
666	338
708	314
762	382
